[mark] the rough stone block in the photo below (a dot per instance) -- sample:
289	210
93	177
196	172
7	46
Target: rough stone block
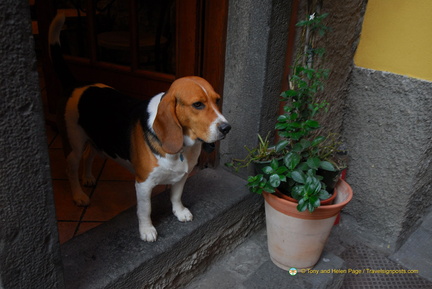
113	256
388	126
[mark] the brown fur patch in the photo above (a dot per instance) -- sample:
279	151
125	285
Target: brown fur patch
167	126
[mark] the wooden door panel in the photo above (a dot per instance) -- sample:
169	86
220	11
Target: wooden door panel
139	83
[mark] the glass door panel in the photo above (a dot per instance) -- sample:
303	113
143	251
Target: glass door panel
156	36
136	34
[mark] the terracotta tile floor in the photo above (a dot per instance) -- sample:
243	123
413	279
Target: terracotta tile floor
113	193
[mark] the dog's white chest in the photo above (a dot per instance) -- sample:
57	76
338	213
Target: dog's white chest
171	169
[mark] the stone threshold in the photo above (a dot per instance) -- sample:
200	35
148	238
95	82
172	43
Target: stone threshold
113	256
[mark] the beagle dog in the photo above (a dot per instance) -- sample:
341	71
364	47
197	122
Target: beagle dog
159	140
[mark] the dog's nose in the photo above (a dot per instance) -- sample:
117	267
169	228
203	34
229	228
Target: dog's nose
224	128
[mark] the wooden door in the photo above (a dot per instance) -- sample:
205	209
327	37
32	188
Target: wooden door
138	47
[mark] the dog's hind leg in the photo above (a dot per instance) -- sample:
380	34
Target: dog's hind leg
77	139
87	176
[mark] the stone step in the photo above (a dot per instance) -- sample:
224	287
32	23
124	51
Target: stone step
113	256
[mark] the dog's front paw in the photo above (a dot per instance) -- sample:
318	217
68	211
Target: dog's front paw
148	233
88	181
81	199
183	214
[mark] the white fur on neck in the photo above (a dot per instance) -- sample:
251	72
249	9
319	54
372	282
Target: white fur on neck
153	108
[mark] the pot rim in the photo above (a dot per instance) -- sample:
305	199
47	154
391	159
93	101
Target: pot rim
322	212
325	202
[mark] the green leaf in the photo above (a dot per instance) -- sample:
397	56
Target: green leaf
303	166
255	179
318	140
324	195
312	124
291	160
274	180
269	188
327	166
289	93
302	23
295	125
281	126
302	205
281	145
297	192
315	201
280	170
282	118
293	116
322	16
314	163
305	144
310	207
298	148
312	186
274	164
267	170
299	177
311	173
296	135
297	104
256	183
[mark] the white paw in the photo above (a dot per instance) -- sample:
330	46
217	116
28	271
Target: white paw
81	199
183	215
89	181
148	233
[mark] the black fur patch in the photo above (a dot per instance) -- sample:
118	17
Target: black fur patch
108	116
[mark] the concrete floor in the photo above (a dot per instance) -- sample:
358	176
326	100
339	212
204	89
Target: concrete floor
249	266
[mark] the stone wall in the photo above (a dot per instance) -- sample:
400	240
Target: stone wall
255	61
345	22
255	55
388	128
29	249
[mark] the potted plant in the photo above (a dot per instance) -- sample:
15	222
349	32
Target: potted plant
259	157
297	229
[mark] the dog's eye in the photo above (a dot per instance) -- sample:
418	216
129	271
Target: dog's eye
198	105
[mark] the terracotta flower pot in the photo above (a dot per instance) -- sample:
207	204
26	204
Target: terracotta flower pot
296	239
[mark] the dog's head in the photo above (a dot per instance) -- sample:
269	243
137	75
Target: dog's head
189	111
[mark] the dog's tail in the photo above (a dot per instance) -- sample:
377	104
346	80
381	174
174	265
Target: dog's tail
60	66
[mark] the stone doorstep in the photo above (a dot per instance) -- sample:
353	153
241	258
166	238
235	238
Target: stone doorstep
113	256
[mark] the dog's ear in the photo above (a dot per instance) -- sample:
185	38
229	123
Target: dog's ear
167	126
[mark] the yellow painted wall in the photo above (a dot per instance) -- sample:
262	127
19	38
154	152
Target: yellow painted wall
397	37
